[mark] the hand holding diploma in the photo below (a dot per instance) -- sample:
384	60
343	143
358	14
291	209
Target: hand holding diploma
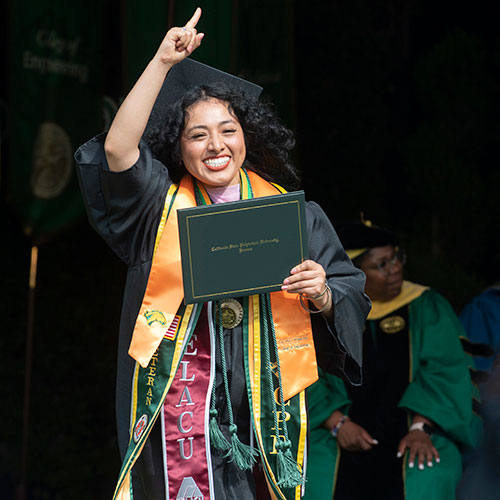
309	279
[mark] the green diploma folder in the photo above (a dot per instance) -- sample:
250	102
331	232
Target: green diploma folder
241	248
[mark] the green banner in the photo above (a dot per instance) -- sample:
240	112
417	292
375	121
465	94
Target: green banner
145	28
54	106
266	51
217	22
248	38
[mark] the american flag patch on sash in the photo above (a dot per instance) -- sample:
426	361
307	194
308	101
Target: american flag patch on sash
172	329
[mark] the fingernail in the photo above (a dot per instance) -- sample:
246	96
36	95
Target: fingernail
421	466
410	465
375	441
429	464
438	460
284	287
399	454
286	281
293	270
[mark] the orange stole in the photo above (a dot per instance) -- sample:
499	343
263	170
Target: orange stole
164	294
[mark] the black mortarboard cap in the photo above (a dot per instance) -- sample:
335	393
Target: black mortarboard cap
361	235
189	74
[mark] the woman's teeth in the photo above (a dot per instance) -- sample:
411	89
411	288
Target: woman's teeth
216	162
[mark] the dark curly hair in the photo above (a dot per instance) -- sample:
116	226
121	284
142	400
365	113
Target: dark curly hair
268	142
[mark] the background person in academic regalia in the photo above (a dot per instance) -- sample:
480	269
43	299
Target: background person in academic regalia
399	435
224	403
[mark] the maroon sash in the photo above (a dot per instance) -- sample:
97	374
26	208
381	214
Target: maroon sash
186	419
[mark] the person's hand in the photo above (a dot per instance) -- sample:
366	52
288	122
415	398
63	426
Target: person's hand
309	279
420	448
353	437
179	43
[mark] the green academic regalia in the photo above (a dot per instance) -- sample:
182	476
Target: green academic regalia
436	385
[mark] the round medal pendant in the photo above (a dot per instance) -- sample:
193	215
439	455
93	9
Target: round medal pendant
392	324
231	312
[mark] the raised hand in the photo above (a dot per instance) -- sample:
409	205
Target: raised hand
179	43
122	142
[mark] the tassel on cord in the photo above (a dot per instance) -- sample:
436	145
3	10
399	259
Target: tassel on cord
217	439
243	455
289	475
288	471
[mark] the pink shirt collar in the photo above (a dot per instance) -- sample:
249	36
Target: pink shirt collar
224	194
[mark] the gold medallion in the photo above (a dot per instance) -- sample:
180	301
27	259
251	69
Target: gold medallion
231	312
392	324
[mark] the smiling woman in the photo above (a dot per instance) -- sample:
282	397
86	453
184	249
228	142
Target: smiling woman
213	144
200	391
267	141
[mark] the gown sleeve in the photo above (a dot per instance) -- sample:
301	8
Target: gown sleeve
441	388
338	345
123	207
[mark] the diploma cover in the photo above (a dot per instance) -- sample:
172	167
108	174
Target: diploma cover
241	248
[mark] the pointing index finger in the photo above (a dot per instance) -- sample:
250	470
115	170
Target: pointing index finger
194	20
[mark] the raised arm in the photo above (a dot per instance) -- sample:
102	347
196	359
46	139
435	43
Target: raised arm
122	141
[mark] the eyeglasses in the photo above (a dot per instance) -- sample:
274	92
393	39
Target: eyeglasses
385	266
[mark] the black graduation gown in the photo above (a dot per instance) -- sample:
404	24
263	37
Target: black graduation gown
125	209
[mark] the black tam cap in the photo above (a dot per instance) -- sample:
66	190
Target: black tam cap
187	75
359	237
